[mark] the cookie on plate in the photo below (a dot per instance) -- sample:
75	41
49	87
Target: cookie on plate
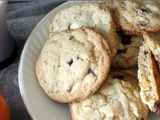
153	42
91	15
117	99
127	51
137	17
149	78
73	64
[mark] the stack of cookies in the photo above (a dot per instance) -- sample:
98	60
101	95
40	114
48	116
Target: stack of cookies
103	59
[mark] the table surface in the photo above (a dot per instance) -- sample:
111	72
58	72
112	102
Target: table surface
20	26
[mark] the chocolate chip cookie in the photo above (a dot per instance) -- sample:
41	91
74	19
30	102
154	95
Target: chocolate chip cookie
117	99
149	78
73	64
96	16
137	17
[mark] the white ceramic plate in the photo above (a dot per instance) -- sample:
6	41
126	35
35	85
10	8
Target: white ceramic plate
39	106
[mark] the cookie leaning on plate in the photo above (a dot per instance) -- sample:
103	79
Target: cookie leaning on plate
149	78
127	51
137	17
73	64
96	16
117	99
153	42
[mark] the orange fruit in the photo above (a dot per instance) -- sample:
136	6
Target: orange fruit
4	109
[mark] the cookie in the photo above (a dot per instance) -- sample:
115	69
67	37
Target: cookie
153	42
127	51
117	99
96	16
73	64
137	17
149	78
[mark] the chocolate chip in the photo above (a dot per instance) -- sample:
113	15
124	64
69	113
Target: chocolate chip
142	24
91	72
120	32
78	58
145	53
69	90
126	39
121	51
71	38
121	77
70	62
69	27
157	107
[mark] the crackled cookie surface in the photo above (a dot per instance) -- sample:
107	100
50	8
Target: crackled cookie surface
91	15
73	64
135	17
149	78
127	51
117	99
